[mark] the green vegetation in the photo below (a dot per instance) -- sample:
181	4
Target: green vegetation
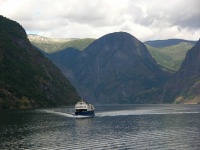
79	44
27	78
55	46
170	57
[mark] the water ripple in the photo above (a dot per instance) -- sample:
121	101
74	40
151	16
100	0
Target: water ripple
132	128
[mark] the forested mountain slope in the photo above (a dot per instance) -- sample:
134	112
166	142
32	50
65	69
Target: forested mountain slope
27	78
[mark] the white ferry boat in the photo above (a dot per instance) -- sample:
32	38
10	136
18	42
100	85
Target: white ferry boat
83	108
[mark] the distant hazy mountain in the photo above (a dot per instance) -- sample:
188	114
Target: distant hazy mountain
115	69
27	78
184	86
169	53
166	43
51	45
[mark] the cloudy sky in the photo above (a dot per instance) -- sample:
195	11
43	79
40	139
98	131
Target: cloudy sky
144	19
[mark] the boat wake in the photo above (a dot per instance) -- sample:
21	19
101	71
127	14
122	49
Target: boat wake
63	114
123	113
140	112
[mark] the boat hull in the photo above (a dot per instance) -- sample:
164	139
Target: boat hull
85	113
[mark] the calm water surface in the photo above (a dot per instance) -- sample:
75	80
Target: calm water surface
114	127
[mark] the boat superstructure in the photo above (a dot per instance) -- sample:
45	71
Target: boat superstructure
83	108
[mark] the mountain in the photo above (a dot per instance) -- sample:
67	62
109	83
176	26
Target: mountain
108	72
27	78
51	45
184	86
166	43
169	53
65	60
115	69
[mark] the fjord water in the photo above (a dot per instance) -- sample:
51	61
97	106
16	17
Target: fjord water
113	127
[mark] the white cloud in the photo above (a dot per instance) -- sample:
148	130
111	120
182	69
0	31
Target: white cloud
144	19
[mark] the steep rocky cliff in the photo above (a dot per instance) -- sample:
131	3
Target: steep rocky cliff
27	78
184	86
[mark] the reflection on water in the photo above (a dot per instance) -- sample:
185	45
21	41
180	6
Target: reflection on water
114	127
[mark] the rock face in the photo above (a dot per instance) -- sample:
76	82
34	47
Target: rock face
27	78
184	86
115	69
